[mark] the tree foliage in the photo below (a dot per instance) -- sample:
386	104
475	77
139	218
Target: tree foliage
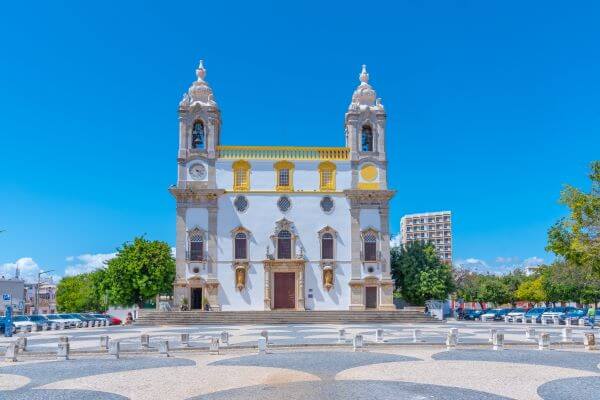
419	273
576	238
141	270
76	294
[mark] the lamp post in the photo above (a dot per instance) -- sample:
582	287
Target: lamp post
37	290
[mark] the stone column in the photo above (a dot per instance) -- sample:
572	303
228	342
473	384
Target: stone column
267	287
212	241
356	243
301	303
385	241
180	289
357	302
212	289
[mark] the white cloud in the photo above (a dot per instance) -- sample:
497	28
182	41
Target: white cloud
395	241
87	263
28	269
173	252
533	261
473	264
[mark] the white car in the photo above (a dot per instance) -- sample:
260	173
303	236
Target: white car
556	313
61	321
22	323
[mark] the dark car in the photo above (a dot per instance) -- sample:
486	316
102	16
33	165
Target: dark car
496	314
98	321
87	321
41	322
574	315
111	320
535	314
472	315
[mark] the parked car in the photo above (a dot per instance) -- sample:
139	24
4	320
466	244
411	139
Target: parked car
517	313
535	314
495	314
75	322
574	315
41	321
111	320
97	321
85	321
59	319
21	322
553	312
472	315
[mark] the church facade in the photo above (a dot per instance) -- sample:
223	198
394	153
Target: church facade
277	227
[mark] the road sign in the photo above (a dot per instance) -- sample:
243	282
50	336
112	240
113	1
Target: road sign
6	297
21	305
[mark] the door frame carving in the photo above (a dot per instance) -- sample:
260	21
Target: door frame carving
272	266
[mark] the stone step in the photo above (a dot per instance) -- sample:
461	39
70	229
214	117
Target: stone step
152	317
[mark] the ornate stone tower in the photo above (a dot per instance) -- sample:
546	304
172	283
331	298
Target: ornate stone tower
196	189
368	198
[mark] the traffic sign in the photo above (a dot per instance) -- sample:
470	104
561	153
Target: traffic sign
6	297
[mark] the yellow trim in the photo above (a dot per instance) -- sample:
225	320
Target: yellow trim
324	167
368	185
243	167
284	152
290	167
285	191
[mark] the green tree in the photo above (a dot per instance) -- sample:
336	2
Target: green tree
577	237
492	290
419	273
513	280
141	270
76	294
531	290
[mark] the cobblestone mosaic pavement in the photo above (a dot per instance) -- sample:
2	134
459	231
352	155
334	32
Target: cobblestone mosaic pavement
412	371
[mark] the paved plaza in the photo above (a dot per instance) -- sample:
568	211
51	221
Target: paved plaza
306	362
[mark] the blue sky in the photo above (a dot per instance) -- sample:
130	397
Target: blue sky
492	107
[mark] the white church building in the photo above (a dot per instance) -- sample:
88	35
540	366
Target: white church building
278	227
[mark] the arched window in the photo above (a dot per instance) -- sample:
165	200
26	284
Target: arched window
327	175
241	175
196	246
284	245
367	138
241	246
370	245
198	137
327	246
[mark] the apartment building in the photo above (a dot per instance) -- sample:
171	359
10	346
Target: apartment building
433	227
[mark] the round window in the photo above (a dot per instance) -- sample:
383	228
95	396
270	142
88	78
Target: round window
284	203
327	204
241	203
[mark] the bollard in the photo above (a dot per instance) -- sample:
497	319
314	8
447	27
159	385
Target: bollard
185	339
530	333
581	322
524	319
263	346
498	343
506	319
544	321
104	342
493	332
589	341
64	339
451	339
379	335
62	352
357	343
342	336
555	320
163	348
568	321
225	338
12	350
567	335
145	341
265	334
22	343
214	346
114	348
544	341
416	335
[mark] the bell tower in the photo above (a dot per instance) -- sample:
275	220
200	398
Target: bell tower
199	129
365	136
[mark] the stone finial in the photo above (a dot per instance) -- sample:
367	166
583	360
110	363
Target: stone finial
364	75
201	71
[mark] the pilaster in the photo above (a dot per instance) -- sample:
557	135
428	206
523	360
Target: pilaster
355	245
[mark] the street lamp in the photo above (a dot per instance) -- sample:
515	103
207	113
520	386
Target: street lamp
37	290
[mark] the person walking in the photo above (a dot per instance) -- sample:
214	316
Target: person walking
592	316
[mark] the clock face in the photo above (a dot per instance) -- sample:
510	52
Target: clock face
198	172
